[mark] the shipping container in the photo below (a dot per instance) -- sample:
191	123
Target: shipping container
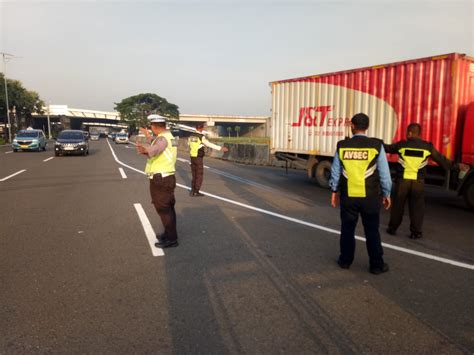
311	114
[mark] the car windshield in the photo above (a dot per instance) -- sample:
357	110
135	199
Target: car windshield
122	135
27	134
71	135
94	134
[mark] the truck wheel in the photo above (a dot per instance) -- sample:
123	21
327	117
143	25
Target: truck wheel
323	173
468	194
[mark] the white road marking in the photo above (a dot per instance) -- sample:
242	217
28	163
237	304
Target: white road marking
149	232
122	173
12	175
11	151
132	143
49	159
317	226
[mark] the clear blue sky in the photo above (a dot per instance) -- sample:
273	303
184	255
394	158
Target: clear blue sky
214	57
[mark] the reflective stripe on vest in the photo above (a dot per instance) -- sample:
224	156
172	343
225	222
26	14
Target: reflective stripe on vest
412	160
356	169
165	162
195	144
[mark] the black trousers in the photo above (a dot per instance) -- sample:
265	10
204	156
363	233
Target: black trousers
197	171
414	191
162	197
369	210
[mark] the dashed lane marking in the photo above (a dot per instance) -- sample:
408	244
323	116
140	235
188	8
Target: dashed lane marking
12	175
122	173
148	229
316	226
49	159
11	151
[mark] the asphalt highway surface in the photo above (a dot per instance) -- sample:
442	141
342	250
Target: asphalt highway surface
255	270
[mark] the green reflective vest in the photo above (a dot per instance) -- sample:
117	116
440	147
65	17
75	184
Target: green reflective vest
195	143
165	162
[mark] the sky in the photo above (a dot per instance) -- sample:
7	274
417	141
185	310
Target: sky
214	57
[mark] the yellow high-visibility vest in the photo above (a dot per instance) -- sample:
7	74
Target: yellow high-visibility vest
164	163
356	162
412	160
195	143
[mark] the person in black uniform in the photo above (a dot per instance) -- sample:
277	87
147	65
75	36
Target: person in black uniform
414	154
359	171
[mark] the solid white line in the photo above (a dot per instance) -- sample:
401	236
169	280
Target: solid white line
11	151
317	226
49	158
122	173
184	160
149	232
132	143
12	175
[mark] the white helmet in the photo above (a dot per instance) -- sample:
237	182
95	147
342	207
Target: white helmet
156	119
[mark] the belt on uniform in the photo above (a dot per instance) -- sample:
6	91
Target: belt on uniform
152	175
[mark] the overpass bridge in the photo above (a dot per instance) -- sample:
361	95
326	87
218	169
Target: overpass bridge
64	117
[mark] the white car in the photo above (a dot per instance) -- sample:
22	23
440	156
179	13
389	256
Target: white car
121	138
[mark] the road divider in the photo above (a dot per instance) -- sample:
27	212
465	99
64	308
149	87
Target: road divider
148	229
12	175
314	225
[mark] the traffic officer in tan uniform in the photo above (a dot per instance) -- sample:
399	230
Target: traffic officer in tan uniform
414	154
196	143
160	168
359	171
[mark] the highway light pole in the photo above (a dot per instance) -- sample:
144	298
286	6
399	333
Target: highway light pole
49	122
5	55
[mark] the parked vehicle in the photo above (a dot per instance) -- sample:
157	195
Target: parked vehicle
311	114
71	142
29	139
121	138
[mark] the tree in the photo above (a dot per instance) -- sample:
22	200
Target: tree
229	129
24	101
237	130
251	128
135	109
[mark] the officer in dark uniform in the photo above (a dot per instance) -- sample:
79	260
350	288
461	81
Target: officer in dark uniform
358	173
160	168
414	154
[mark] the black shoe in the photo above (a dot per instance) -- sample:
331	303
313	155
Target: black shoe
414	235
343	265
167	244
391	231
197	194
161	239
379	270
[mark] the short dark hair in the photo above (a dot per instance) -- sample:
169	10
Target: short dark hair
360	121
414	129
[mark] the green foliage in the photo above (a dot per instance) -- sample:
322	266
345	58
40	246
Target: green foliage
229	129
25	102
237	130
135	109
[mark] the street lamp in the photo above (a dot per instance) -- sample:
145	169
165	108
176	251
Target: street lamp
7	56
6	94
49	122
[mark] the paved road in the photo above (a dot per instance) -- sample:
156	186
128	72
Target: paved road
255	271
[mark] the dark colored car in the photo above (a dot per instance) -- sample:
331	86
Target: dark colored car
71	142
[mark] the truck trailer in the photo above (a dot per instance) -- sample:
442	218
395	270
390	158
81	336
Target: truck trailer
311	114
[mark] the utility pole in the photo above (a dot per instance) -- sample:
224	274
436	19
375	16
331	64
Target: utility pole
49	123
6	57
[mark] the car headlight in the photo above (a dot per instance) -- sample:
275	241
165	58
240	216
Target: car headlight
15	141
34	141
